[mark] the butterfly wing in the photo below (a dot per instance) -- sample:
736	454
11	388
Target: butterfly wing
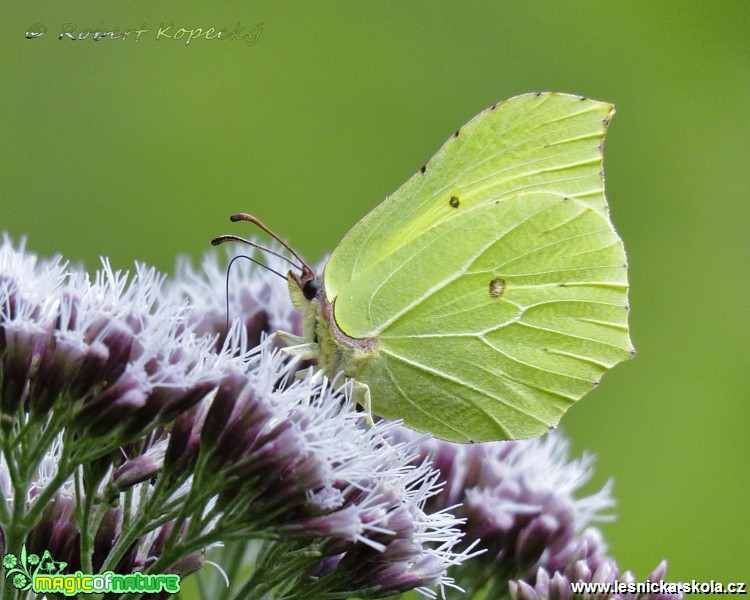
493	281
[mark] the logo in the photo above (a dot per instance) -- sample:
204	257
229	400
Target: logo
45	576
25	567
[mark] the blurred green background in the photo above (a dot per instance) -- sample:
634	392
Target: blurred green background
139	150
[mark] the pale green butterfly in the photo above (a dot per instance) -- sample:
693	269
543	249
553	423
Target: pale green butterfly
489	293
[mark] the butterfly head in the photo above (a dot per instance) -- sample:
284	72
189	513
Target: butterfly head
303	287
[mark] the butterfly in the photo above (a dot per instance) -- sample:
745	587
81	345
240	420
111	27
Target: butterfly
489	293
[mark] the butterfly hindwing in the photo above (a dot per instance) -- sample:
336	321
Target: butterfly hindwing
490	327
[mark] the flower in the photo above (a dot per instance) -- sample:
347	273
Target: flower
145	443
107	347
518	500
138	432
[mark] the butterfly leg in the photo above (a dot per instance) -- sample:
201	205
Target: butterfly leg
361	395
289	338
298	346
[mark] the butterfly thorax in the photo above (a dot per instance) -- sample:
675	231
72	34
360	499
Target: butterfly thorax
337	351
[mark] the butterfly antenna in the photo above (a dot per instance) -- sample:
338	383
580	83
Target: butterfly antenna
235	238
258	223
229	268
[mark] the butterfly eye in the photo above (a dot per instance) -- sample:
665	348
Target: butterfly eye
310	289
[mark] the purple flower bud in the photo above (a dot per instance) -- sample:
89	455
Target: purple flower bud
325	567
111	408
25	342
182	449
119	341
91	371
345	524
188	565
183	399
558	587
533	540
141	468
222	407
520	590
659	573
61	359
581	571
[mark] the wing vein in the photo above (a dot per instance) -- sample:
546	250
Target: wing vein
461	383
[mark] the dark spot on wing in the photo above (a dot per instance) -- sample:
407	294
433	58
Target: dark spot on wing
497	287
606	122
562	285
582	98
455	134
537	94
453	202
423	169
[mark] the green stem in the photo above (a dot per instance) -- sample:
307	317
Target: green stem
89	518
276	567
143	523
